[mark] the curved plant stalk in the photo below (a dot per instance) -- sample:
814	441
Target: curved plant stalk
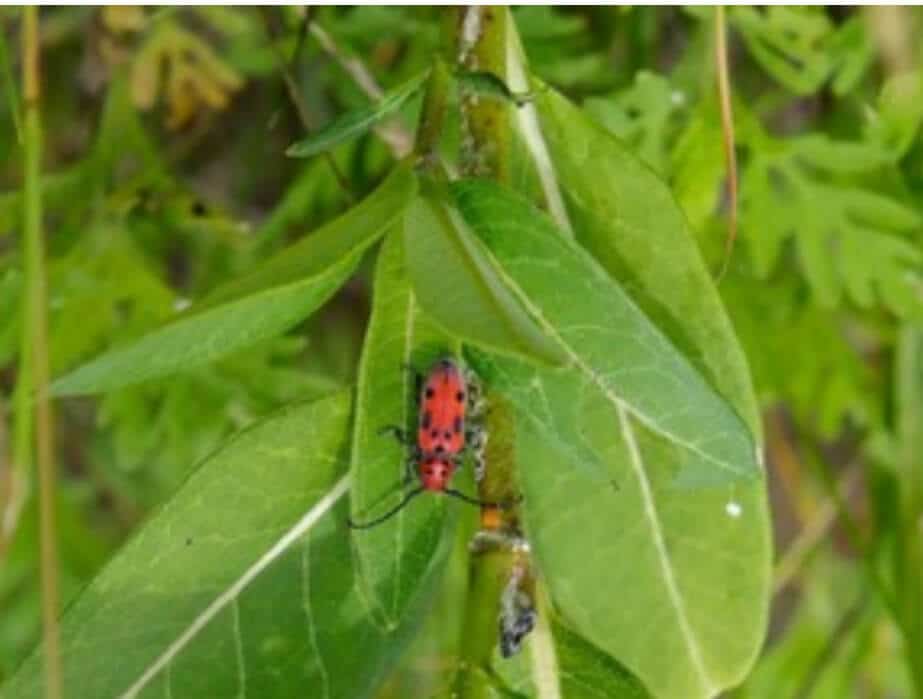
727	133
34	351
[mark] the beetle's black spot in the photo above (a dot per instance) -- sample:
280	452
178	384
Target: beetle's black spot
427	419
448	435
439	448
460	396
457	425
434	434
429	392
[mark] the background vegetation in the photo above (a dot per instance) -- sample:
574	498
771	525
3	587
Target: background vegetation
165	175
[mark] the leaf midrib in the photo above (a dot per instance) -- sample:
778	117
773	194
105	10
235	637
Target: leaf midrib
578	361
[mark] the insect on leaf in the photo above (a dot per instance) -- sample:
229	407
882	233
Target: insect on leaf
395	557
266	302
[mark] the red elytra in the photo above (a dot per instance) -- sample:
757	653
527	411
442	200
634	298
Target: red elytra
441	437
441	432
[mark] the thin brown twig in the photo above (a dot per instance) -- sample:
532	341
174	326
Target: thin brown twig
727	134
36	305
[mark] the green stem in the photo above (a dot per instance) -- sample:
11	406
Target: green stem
432	117
35	343
485	122
481	47
909	557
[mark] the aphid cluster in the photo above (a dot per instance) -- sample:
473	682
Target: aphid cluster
450	407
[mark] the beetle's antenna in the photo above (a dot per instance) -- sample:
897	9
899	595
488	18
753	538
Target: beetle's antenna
474	501
390	513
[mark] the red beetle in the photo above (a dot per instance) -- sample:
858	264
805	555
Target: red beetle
446	401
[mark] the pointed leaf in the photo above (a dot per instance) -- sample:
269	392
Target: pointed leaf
268	301
357	122
396	557
458	287
241	585
627	217
612	346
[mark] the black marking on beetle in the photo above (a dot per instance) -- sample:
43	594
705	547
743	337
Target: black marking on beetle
460	396
439	448
447	435
430	392
427	419
457	425
434	434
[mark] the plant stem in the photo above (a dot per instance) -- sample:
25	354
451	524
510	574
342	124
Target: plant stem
485	122
35	334
727	133
432	116
909	557
495	550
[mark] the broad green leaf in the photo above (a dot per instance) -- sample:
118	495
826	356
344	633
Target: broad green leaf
458	287
641	569
356	122
269	300
396	557
628	219
241	585
614	349
691	565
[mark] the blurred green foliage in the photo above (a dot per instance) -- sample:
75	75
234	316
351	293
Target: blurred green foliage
165	176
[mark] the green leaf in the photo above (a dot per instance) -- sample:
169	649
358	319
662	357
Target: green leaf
849	238
614	350
588	673
396	557
272	298
896	122
459	288
841	157
241	585
790	43
642	115
356	122
690	567
628	219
